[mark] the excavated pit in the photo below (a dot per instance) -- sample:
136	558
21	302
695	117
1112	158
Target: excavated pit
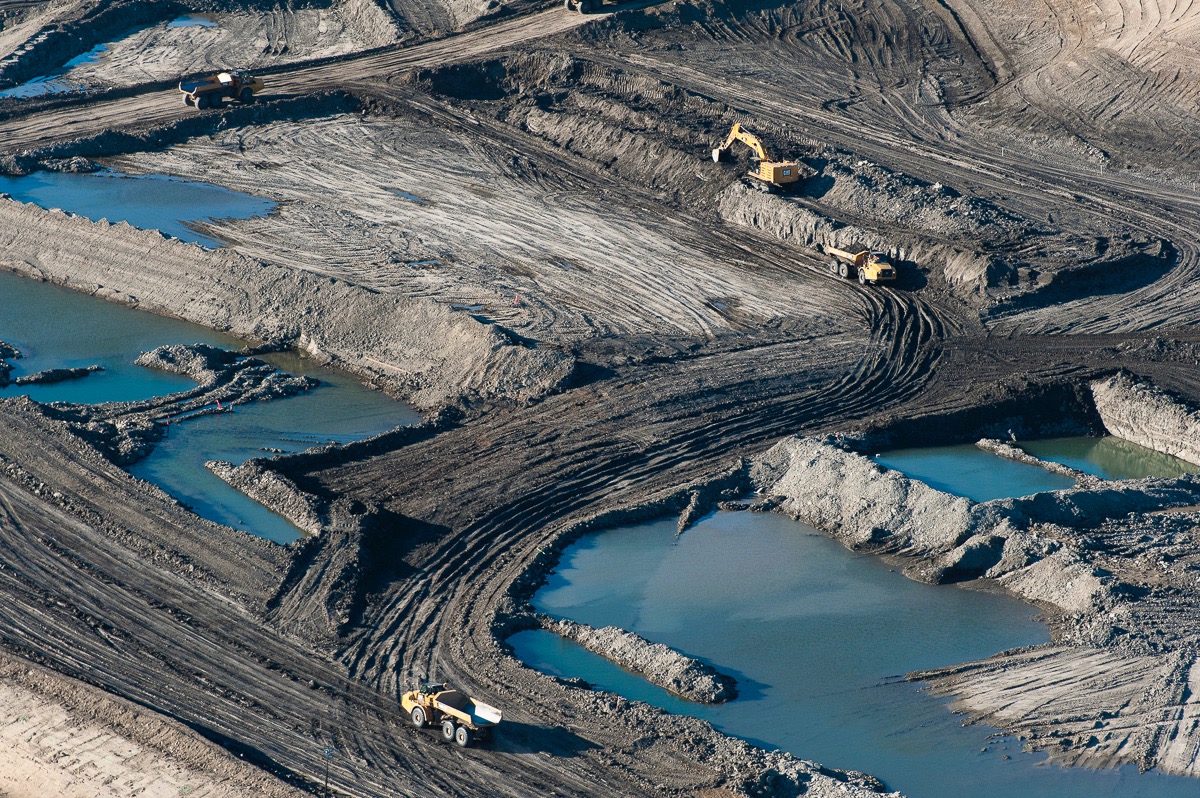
598	314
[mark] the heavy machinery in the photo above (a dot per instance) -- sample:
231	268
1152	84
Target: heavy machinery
236	84
768	173
462	718
870	267
583	6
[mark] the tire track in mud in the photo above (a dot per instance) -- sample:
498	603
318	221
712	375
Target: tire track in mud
929	143
90	116
424	627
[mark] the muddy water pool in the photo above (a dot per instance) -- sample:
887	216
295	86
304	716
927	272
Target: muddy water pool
56	328
967	470
339	411
1109	457
57	82
817	637
150	202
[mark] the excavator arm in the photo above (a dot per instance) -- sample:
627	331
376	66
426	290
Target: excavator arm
752	141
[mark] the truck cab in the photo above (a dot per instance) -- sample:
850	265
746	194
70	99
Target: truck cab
875	268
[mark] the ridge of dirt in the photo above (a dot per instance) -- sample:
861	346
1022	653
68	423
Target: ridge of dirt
452	358
659	664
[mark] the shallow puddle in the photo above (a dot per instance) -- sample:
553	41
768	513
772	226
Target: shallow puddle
194	21
967	470
340	410
150	202
56	82
817	637
102	333
1109	457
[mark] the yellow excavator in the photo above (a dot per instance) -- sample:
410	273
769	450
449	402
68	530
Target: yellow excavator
768	173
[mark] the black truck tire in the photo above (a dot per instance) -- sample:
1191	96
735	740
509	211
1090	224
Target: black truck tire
246	95
462	737
418	717
448	730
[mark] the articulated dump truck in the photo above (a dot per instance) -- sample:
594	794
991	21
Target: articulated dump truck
236	84
869	267
462	718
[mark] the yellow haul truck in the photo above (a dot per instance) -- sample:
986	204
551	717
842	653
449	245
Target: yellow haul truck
870	267
462	718
236	84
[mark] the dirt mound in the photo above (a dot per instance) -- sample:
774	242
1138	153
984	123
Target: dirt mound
659	664
423	350
143	47
1137	411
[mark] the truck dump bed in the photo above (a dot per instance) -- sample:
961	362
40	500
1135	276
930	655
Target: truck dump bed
459	705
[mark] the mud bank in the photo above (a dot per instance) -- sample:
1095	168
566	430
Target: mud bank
1140	413
1113	687
422	350
659	664
1002	449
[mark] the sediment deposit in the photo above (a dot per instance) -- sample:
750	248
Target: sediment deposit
658	664
430	353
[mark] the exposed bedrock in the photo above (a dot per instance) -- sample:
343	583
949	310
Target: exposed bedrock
659	664
433	355
1139	412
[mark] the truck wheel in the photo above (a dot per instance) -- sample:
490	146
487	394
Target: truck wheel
418	717
246	95
202	102
862	277
447	730
214	101
833	266
462	736
187	100
844	270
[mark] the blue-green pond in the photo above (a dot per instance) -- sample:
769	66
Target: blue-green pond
150	202
56	328
818	638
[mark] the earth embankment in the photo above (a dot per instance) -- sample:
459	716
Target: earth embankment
423	350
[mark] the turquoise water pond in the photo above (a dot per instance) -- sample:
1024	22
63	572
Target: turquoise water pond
1109	457
56	328
818	638
967	470
150	202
